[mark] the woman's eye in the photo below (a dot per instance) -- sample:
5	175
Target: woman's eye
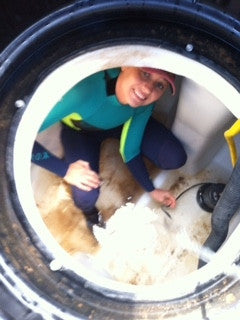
160	85
145	74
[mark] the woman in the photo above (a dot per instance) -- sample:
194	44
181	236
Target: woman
114	103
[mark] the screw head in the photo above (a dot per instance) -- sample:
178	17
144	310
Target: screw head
189	47
20	104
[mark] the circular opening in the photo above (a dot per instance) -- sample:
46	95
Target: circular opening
46	96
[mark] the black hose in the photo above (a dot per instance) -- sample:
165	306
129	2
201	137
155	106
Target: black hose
224	210
182	193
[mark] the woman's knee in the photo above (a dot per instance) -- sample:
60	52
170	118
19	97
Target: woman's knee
180	157
85	200
162	147
172	156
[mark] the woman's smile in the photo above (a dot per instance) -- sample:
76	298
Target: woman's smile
137	97
139	94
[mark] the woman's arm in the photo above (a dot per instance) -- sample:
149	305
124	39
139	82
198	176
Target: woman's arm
45	159
131	145
78	174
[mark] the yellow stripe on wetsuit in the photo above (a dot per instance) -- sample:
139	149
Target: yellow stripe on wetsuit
124	135
68	120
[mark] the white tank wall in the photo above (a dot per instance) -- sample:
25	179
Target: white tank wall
200	122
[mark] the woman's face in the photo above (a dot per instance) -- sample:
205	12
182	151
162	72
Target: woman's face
138	88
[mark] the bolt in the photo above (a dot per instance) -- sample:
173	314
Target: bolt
20	104
55	265
189	47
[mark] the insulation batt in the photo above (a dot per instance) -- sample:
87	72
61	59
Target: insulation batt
140	246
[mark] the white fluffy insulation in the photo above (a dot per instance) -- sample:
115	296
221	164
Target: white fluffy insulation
142	246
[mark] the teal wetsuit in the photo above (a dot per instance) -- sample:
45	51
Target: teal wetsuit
88	100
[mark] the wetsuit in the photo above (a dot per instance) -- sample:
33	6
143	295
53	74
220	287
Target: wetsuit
90	113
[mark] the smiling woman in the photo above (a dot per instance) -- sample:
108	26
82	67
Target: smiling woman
197	42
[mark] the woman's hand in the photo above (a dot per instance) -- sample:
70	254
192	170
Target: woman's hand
80	174
164	197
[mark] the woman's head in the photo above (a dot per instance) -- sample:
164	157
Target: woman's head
139	87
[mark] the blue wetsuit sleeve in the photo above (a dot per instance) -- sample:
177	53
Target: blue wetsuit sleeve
140	173
45	159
